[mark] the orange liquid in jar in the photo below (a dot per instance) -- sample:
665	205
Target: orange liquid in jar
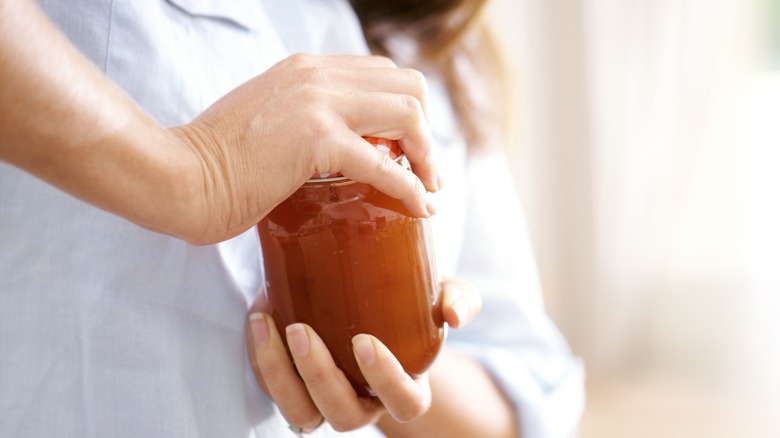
348	259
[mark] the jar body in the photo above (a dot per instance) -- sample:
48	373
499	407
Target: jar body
348	259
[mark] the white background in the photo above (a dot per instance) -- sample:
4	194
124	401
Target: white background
647	150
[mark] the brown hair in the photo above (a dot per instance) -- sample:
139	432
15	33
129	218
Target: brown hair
450	37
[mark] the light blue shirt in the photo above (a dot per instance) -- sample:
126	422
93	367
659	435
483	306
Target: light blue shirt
110	330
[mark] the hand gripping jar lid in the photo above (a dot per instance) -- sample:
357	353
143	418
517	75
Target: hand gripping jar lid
389	147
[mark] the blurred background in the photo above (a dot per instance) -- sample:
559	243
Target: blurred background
647	150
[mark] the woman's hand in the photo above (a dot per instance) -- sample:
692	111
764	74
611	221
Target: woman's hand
319	391
215	177
304	116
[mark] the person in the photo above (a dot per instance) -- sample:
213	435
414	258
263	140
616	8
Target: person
114	323
480	237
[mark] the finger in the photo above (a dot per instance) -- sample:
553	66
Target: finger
396	117
363	73
403	397
252	350
461	301
254	334
307	60
360	161
329	388
398	81
278	375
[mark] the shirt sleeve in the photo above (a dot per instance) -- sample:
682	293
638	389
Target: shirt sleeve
513	338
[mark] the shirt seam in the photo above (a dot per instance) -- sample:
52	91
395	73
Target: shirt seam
108	37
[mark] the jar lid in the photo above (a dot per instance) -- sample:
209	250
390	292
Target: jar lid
389	147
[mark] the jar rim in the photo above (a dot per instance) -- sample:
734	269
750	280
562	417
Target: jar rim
340	177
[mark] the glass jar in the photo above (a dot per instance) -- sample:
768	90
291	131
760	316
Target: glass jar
346	259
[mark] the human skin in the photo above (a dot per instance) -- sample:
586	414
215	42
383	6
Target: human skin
64	121
215	177
310	389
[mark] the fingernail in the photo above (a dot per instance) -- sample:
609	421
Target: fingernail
364	349
461	308
297	339
439	182
259	326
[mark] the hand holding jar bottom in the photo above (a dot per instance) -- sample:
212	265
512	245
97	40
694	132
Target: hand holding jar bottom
310	389
346	260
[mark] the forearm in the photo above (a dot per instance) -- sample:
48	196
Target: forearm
466	403
64	121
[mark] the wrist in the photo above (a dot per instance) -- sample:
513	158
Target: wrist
148	175
188	190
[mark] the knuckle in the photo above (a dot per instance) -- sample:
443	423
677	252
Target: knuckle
317	100
416	77
302	60
306	97
411	112
313	75
383	61
413	410
321	128
423	158
346	423
318	75
319	141
411	106
307	68
305	419
383	164
316	379
269	369
315	113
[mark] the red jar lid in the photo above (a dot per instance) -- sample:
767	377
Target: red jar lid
389	147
